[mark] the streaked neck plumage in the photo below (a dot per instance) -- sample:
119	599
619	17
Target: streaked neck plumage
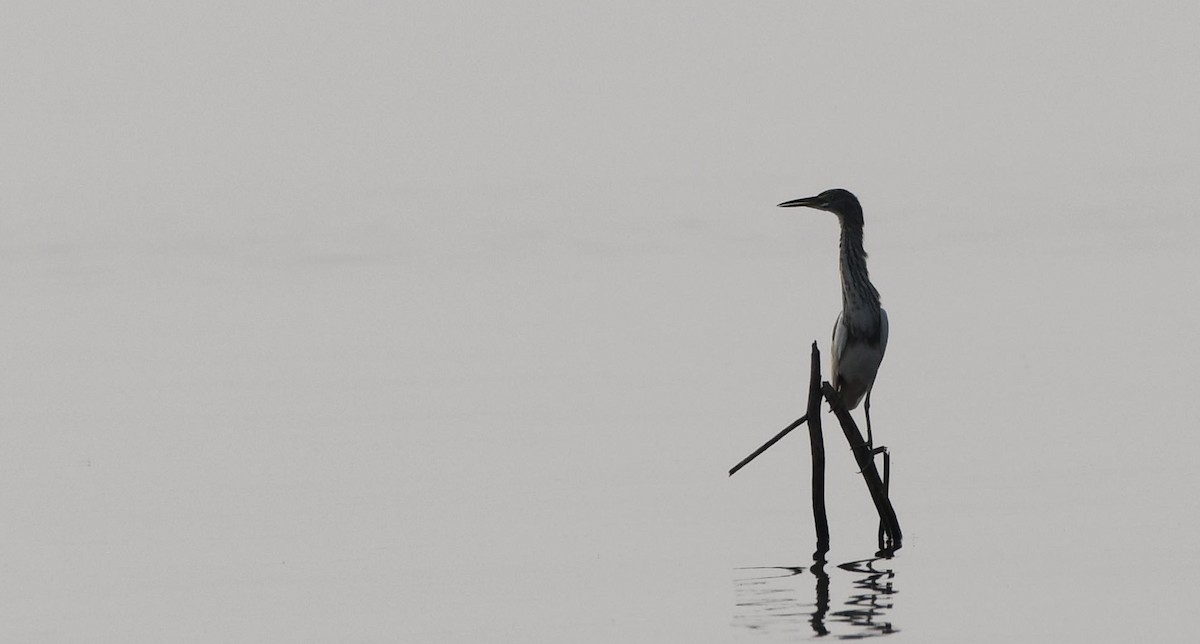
860	300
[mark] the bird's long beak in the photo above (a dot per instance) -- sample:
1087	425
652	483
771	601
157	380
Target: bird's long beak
807	202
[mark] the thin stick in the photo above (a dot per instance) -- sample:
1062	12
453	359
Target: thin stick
887	481
799	421
862	454
817	442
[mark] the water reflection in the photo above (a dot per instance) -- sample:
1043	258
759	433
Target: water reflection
784	602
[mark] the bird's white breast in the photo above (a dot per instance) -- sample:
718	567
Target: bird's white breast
855	359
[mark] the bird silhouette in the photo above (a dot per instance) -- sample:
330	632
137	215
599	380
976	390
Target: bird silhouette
860	334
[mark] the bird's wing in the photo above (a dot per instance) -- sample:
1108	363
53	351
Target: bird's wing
840	336
883	332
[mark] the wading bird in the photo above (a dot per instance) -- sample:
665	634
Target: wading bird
861	332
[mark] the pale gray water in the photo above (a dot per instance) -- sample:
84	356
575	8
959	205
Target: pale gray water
442	323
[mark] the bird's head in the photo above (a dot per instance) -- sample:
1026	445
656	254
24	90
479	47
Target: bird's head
837	201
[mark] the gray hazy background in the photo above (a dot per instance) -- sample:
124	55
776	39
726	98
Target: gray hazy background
442	322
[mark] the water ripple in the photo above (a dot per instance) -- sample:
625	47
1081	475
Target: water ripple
784	602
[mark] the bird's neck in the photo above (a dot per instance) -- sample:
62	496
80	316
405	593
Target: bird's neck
860	300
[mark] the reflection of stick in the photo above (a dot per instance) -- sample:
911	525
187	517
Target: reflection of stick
817	621
817	443
799	422
862	454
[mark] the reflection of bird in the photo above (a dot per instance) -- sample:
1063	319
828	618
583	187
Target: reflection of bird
861	332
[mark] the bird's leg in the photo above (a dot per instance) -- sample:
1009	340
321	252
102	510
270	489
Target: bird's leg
867	408
871	440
